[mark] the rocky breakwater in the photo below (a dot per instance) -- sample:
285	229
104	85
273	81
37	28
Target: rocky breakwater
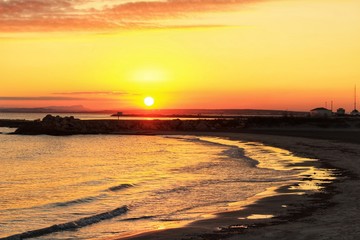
52	125
13	123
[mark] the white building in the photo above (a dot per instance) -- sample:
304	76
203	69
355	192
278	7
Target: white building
320	112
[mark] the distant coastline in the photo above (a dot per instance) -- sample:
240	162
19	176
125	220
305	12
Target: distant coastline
156	112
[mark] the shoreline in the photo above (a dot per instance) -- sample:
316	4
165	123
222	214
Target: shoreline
336	217
270	202
334	148
326	214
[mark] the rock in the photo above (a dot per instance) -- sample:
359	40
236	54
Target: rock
188	125
202	126
175	124
48	118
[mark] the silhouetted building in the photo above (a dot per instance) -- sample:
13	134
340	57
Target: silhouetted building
355	112
320	112
340	112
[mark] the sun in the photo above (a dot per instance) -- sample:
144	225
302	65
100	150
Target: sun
149	101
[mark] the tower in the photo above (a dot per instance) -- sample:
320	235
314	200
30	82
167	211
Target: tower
355	97
332	103
355	112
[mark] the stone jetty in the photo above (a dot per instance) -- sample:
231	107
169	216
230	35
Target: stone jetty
56	125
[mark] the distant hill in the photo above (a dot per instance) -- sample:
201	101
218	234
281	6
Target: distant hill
50	109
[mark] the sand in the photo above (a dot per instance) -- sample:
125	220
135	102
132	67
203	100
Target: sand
333	213
340	219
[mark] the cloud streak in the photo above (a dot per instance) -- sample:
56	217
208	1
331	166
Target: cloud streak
59	15
40	98
112	93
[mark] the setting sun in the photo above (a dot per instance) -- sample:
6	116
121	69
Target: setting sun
149	101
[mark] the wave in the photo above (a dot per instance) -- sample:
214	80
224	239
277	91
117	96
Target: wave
233	151
195	139
77	201
91	198
136	218
120	187
239	153
82	222
56	204
167	217
181	189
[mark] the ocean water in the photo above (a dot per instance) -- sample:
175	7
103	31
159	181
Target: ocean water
164	181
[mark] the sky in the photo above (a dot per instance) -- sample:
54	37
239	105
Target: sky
213	54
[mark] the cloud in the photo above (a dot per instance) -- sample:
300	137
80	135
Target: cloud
27	8
59	15
92	93
40	98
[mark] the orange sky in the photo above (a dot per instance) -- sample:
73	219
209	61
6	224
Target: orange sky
275	54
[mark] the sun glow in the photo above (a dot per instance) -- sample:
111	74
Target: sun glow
149	101
149	75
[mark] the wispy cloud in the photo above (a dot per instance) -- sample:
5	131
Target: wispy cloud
35	15
40	98
93	93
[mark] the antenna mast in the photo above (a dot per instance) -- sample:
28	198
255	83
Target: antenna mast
331	105
355	97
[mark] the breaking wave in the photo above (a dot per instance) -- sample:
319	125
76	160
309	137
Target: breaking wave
82	222
120	187
77	201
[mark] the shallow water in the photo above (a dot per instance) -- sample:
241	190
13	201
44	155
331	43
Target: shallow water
164	181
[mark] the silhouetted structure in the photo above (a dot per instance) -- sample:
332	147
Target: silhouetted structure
320	112
340	112
355	112
118	114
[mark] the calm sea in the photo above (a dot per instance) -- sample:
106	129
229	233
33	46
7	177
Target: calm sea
164	181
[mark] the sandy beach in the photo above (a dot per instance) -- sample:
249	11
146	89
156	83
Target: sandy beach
338	220
330	213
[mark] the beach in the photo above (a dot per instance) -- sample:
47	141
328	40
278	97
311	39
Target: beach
339	219
319	202
331	213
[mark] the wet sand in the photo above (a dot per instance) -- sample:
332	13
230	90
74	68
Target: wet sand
280	213
338	217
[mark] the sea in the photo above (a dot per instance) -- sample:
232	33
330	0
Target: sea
120	185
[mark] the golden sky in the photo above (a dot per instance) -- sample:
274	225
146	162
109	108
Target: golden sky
270	54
